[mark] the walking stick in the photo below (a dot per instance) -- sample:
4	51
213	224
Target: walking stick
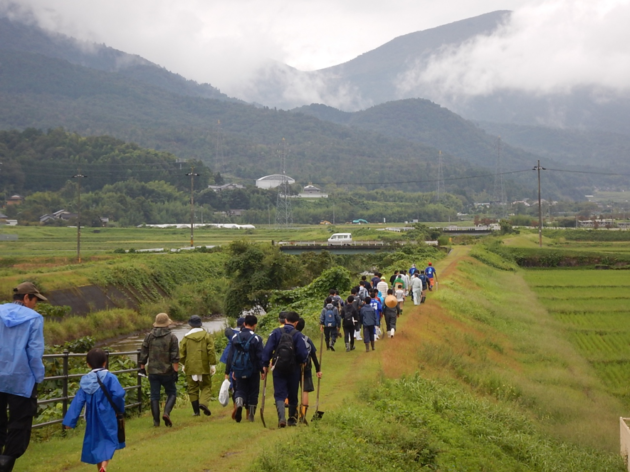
264	395
318	414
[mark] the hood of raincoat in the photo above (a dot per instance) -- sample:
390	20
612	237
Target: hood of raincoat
160	332
330	306
196	334
89	384
13	314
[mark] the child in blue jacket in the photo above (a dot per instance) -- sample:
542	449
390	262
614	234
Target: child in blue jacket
101	431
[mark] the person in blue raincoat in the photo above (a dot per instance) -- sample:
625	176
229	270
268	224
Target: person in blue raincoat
101	431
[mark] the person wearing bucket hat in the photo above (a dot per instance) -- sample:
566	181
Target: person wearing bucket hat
198	359
21	351
160	349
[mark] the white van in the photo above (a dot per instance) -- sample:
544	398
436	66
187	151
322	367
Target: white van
340	239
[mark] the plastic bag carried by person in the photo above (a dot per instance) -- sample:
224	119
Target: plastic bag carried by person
224	393
357	335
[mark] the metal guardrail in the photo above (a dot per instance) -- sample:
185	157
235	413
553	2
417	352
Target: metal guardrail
65	376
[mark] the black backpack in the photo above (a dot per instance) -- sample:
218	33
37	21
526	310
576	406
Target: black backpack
284	358
348	315
242	364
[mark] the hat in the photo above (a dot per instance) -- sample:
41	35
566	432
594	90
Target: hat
240	321
430	263
28	288
162	321
194	321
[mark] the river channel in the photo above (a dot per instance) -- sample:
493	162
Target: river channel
133	342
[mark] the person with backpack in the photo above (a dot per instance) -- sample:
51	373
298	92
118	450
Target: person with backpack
363	290
245	366
378	308
431	275
103	397
330	323
357	303
393	278
425	283
308	385
413	270
416	289
161	349
285	347
197	356
229	334
368	320
390	313
350	320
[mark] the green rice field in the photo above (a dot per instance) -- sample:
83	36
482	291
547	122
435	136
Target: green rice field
594	308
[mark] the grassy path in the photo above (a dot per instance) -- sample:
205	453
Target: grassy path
218	443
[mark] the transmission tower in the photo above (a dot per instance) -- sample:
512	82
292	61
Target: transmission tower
440	179
499	197
284	214
219	164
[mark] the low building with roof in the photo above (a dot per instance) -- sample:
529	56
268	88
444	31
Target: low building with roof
310	191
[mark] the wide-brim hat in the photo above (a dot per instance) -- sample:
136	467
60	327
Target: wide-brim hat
195	321
28	288
162	321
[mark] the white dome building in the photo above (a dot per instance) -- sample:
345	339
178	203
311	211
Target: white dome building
273	181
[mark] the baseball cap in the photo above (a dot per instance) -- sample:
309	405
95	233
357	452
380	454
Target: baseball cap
28	288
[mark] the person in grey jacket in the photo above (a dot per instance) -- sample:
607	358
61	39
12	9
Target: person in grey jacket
330	323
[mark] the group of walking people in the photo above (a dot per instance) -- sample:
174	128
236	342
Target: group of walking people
361	314
288	355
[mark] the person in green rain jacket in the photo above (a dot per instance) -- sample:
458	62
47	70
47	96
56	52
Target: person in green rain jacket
196	354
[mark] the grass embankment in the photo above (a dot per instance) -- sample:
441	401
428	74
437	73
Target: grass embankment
593	307
499	389
179	284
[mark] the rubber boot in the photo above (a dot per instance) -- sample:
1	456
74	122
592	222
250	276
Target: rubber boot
367	347
293	415
347	347
195	407
6	463
251	416
392	332
302	419
155	410
168	407
205	409
372	343
237	414
282	422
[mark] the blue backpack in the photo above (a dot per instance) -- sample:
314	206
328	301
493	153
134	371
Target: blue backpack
330	319
242	364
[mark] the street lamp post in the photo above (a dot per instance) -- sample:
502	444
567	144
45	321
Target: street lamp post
192	175
79	176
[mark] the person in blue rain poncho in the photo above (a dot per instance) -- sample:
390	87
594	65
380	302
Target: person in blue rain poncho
101	431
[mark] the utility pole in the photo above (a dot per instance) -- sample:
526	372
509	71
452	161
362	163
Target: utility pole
538	168
79	176
192	175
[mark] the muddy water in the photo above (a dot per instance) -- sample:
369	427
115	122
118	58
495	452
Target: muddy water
134	342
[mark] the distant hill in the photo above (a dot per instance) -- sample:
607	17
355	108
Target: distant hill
575	146
18	36
44	92
375	77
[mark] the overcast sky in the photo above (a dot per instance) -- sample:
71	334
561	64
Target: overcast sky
549	45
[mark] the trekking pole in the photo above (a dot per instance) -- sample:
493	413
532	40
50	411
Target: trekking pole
303	418
264	395
318	414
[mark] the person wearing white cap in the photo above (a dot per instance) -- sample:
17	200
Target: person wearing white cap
21	352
